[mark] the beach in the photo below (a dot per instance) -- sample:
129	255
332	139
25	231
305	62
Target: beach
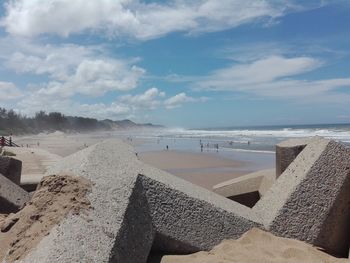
184	159
202	168
257	246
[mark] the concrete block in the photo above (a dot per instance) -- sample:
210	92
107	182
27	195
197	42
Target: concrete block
137	208
247	189
244	184
287	151
11	168
311	201
12	197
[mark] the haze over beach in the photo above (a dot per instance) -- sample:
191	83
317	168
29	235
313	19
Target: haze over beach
174	131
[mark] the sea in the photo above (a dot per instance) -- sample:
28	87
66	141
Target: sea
253	144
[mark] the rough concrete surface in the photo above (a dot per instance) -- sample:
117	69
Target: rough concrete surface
287	151
258	181
12	197
11	168
310	200
136	206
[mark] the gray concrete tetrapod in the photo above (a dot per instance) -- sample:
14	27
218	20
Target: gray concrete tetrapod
12	197
137	207
311	199
11	168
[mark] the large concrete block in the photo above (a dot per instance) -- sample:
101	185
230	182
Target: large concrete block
12	197
11	168
246	183
311	200
287	151
247	189
137	207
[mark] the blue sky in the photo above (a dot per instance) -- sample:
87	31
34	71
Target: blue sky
199	63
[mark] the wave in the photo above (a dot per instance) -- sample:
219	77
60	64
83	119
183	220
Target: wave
244	135
250	151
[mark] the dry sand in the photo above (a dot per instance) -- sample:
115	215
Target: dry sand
257	246
60	143
203	169
55	198
35	162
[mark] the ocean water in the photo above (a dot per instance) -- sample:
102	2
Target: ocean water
254	145
253	139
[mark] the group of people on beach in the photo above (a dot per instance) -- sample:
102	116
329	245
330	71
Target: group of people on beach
207	145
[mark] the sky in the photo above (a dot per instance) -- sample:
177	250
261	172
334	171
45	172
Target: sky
179	63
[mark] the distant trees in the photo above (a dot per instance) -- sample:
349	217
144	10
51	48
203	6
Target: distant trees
9	118
12	122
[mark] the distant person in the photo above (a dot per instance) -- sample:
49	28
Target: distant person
201	147
217	147
10	141
38	144
167	147
248	142
2	141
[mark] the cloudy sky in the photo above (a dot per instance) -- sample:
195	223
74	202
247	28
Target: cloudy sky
188	63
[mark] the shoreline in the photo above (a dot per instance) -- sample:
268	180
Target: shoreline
204	169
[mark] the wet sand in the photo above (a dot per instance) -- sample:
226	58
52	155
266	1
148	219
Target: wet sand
203	169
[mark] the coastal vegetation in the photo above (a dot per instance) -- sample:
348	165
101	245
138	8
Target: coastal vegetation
12	122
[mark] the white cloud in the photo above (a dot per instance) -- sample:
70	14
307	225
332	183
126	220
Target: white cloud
124	106
135	18
181	98
150	99
9	91
70	69
35	102
245	76
273	77
95	78
57	61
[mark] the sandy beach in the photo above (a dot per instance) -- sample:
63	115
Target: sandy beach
59	143
35	162
257	246
203	169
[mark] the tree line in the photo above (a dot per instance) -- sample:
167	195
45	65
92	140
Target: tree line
15	123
